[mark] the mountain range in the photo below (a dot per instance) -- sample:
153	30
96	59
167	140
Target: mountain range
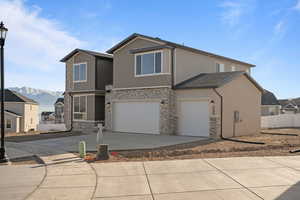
43	97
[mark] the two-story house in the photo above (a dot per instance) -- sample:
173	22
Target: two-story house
160	87
21	113
59	110
87	73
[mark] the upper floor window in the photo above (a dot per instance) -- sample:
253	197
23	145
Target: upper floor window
219	67
148	63
79	72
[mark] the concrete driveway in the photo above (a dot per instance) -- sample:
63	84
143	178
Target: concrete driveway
116	141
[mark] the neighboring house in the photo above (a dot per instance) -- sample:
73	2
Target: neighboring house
269	104
47	116
160	87
59	110
290	106
21	113
87	73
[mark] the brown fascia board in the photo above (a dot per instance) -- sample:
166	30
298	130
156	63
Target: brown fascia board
134	35
93	53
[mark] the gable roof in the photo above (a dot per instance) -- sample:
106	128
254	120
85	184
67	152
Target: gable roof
93	53
135	35
213	80
12	96
59	100
268	98
12	113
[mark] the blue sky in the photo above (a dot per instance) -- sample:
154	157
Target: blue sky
265	33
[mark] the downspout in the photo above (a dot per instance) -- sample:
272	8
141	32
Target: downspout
221	120
172	68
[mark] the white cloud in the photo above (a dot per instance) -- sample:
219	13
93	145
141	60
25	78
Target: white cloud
297	6
232	12
34	41
279	27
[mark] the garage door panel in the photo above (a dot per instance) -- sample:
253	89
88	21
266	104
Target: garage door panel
193	118
136	117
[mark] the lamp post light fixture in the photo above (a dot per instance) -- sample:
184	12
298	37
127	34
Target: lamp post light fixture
3	32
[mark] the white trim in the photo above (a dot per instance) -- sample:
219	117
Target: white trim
194	99
233	68
222	66
133	88
138	37
150	52
80	81
86	108
174	66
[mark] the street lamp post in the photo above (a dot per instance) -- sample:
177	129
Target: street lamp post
3	32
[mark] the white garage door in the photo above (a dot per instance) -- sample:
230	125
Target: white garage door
136	117
193	118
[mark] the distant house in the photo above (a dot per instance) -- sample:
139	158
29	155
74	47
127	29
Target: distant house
21	113
269	104
290	106
59	110
47	117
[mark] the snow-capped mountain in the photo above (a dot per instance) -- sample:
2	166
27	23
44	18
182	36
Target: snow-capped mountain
43	97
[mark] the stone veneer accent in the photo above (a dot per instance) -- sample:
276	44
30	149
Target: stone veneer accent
85	126
214	126
166	96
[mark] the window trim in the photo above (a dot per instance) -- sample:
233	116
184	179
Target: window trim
221	64
80	81
7	123
153	74
86	110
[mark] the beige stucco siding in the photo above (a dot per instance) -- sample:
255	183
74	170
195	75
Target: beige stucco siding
31	118
15	123
242	96
89	84
17	108
124	69
29	113
189	64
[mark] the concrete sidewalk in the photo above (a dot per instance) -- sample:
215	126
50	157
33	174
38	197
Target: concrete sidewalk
67	177
254	178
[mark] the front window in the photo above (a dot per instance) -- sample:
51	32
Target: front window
219	67
148	63
80	103
79	72
8	123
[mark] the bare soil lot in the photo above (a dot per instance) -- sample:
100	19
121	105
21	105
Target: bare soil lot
278	142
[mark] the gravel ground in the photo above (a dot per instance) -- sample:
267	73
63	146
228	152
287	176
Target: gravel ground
278	142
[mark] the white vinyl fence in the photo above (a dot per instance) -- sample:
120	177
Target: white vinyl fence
280	121
51	127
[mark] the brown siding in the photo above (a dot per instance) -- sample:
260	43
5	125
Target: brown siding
81	57
99	108
241	95
124	67
104	73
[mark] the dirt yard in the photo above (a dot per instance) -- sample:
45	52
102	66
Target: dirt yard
278	142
